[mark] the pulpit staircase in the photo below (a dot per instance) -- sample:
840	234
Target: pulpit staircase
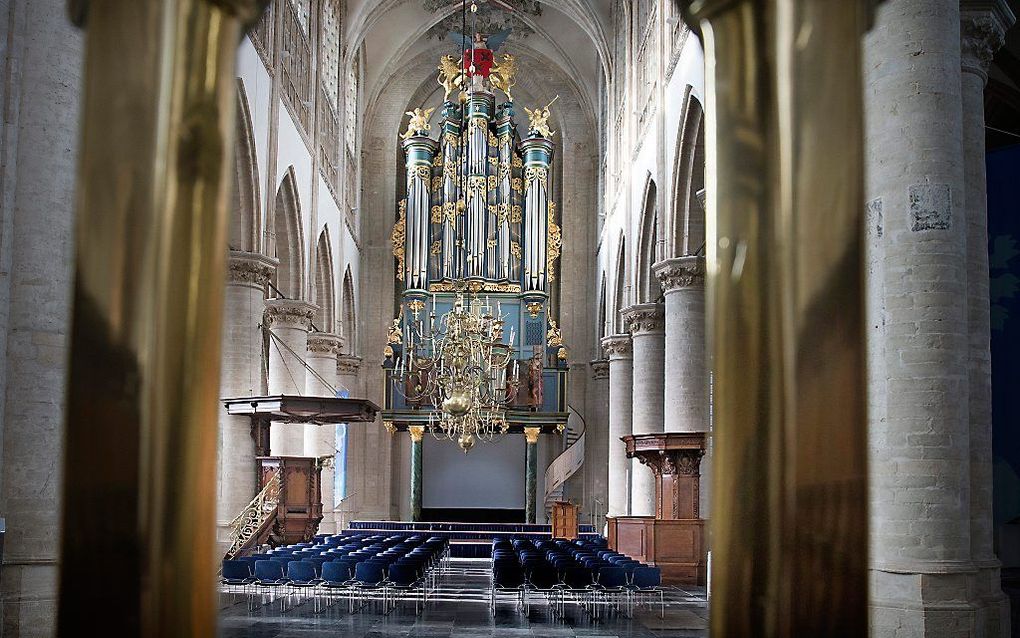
568	462
254	524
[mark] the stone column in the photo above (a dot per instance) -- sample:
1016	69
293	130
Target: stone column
417	433
982	30
531	475
348	370
922	572
320	440
41	93
621	390
686	367
288	322
241	375
686	402
647	329
596	446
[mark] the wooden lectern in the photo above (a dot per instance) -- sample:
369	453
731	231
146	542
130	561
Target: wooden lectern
564	520
673	539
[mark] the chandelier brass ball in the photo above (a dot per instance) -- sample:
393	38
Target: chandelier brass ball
457	403
466	442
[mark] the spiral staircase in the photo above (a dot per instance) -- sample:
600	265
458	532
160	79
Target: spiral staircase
568	462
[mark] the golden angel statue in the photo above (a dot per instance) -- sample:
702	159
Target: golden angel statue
503	75
419	122
539	119
450	75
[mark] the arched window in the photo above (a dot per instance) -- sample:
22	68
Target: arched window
288	242
323	294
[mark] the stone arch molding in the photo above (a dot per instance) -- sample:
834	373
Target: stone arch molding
288	238
686	231
349	321
621	285
648	244
324	292
245	218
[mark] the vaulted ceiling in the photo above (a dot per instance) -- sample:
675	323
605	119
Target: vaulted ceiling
561	39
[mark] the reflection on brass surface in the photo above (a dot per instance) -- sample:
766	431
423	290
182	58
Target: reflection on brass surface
154	176
785	304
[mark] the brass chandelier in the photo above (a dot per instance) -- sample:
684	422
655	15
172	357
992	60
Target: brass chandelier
459	364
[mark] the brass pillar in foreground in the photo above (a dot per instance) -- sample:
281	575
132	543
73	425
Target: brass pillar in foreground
785	315
140	483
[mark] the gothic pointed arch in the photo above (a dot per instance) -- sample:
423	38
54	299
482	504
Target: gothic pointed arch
349	321
288	240
620	289
245	220
603	318
688	206
323	291
648	241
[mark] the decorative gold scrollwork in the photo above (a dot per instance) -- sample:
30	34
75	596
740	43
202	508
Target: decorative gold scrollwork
516	214
554	243
532	173
437	214
397	237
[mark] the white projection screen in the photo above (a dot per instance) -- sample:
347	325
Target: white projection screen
490	476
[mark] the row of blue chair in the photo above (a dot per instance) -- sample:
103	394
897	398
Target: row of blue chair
355	565
571	571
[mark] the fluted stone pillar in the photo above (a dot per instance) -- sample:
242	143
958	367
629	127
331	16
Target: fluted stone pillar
686	366
982	30
922	569
241	375
320	440
596	438
288	322
621	391
531	475
647	329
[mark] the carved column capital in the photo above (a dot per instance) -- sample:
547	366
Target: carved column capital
348	364
417	432
983	26
531	434
325	343
599	369
645	318
618	346
290	313
680	272
253	269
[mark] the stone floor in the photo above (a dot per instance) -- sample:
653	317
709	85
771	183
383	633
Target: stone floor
460	609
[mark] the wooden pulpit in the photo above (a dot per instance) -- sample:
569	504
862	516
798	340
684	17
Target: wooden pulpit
673	539
564	520
299	509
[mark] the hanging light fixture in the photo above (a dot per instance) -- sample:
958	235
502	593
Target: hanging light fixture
460	364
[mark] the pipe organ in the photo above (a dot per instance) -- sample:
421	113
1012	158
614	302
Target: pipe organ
476	220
